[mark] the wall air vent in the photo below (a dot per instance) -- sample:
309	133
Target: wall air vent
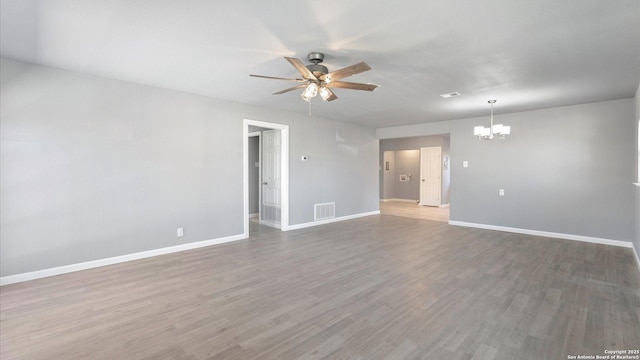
324	211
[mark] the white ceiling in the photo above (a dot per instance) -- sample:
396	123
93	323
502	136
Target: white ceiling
525	54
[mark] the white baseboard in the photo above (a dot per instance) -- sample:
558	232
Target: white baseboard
251	216
589	239
635	251
444	205
12	279
270	224
33	275
328	221
400	200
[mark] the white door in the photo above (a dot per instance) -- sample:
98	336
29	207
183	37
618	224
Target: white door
270	212
430	176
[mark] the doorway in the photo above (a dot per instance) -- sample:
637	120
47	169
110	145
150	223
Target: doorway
270	177
255	146
401	178
278	168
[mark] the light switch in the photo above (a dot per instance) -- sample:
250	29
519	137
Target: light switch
501	192
465	163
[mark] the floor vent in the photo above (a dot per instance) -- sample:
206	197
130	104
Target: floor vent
324	211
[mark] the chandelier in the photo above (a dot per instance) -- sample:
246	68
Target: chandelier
497	131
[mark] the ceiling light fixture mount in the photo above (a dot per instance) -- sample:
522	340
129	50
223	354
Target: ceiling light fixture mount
492	132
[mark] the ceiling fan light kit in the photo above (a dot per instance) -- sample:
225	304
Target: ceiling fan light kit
325	93
316	78
310	91
497	131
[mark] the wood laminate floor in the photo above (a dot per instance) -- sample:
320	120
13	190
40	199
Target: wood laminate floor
379	287
414	210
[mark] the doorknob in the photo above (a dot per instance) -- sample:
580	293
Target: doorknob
265	183
422	180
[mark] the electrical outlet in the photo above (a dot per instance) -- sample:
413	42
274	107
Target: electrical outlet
501	192
465	164
180	232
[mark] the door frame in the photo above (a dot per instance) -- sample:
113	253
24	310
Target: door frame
284	170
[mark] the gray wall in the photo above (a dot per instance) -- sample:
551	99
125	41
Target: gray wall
407	163
342	167
254	175
446	171
92	168
564	169
636	163
387	182
391	187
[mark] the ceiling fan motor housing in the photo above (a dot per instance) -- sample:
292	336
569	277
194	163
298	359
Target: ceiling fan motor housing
318	69
316	58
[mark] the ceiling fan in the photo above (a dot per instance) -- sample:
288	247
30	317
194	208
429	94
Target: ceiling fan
316	78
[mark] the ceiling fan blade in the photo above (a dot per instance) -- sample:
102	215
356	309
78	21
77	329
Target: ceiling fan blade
306	73
290	89
352	85
277	78
347	71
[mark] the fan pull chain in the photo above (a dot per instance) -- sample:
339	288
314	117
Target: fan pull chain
309	107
